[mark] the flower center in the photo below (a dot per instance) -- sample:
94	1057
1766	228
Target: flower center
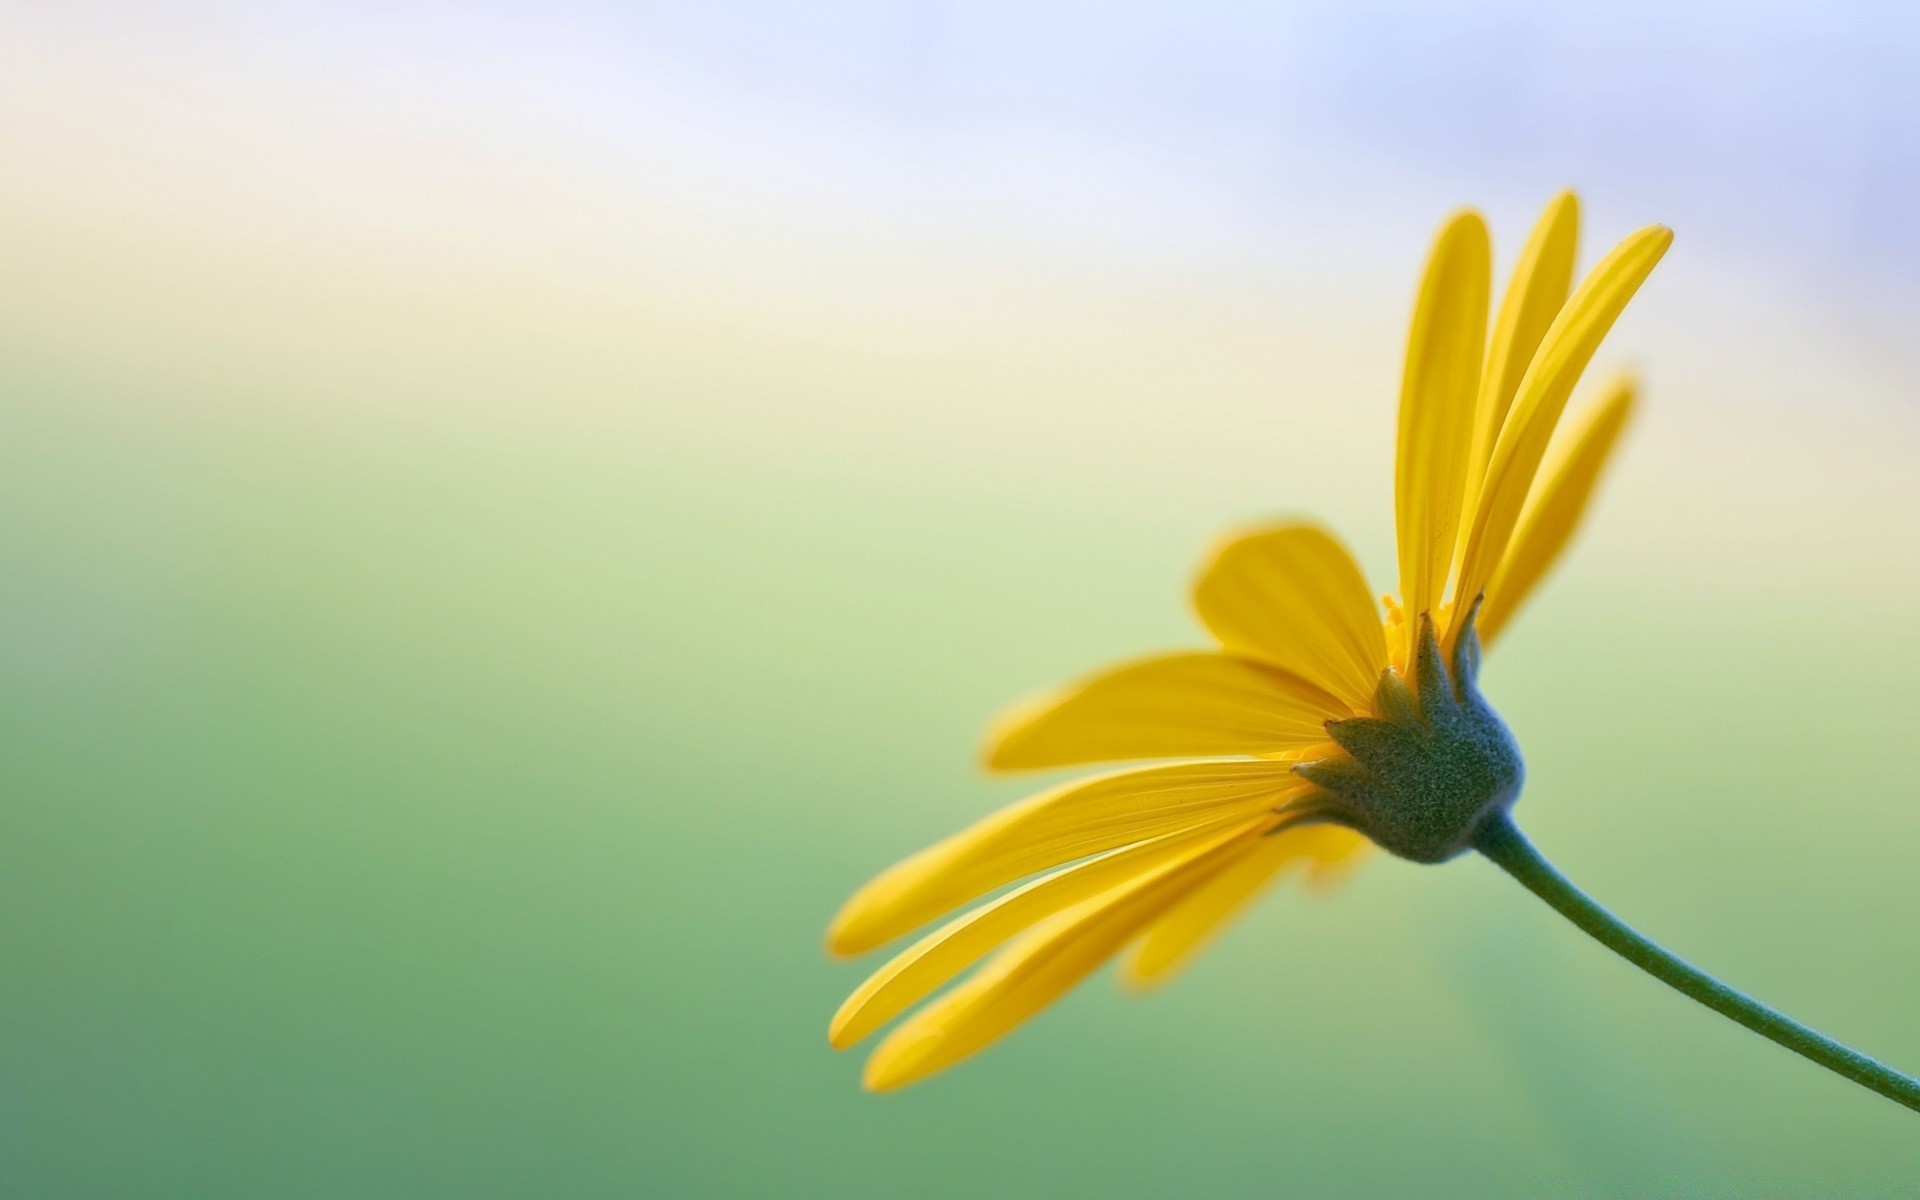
1424	774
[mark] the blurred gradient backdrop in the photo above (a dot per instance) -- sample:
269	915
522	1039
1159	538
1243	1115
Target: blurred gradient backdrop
511	511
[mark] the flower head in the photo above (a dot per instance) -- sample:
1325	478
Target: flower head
1315	727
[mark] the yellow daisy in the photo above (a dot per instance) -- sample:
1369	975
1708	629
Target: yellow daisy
1319	723
1279	721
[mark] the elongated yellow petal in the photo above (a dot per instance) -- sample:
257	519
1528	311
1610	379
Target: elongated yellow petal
1569	344
1176	935
1035	970
919	970
1175	938
1291	594
1437	395
1059	825
1538	291
1555	512
1170	706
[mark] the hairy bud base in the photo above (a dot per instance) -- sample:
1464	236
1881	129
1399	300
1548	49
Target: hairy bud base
1424	774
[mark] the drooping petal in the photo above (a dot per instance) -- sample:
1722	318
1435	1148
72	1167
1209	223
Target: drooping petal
1171	706
1555	511
1535	296
1291	594
1437	394
1334	856
1059	825
1175	938
1036	969
922	968
1569	344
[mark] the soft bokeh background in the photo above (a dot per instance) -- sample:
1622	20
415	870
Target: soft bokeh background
509	512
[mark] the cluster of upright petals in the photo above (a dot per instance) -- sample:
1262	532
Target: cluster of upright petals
1150	861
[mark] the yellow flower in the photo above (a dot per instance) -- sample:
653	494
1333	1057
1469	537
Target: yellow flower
1154	860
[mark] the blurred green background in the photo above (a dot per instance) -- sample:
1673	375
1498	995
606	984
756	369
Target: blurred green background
509	516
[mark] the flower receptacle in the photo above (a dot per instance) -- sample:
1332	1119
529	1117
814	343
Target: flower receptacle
1423	775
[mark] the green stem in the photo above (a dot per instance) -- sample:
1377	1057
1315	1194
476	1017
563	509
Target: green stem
1502	841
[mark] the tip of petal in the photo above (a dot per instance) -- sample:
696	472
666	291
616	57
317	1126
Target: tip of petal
1004	748
995	756
1622	391
891	1067
1138	976
872	1083
1464	223
1651	241
885	906
1565	205
857	927
852	932
840	1030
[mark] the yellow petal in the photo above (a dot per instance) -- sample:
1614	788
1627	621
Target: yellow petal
1569	344
1171	706
1437	394
1036	969
1555	512
919	970
1334	855
1539	289
1292	595
1059	825
1175	937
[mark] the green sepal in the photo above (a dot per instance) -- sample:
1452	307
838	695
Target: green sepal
1424	774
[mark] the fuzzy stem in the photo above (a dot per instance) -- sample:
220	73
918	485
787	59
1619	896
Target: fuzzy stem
1502	841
